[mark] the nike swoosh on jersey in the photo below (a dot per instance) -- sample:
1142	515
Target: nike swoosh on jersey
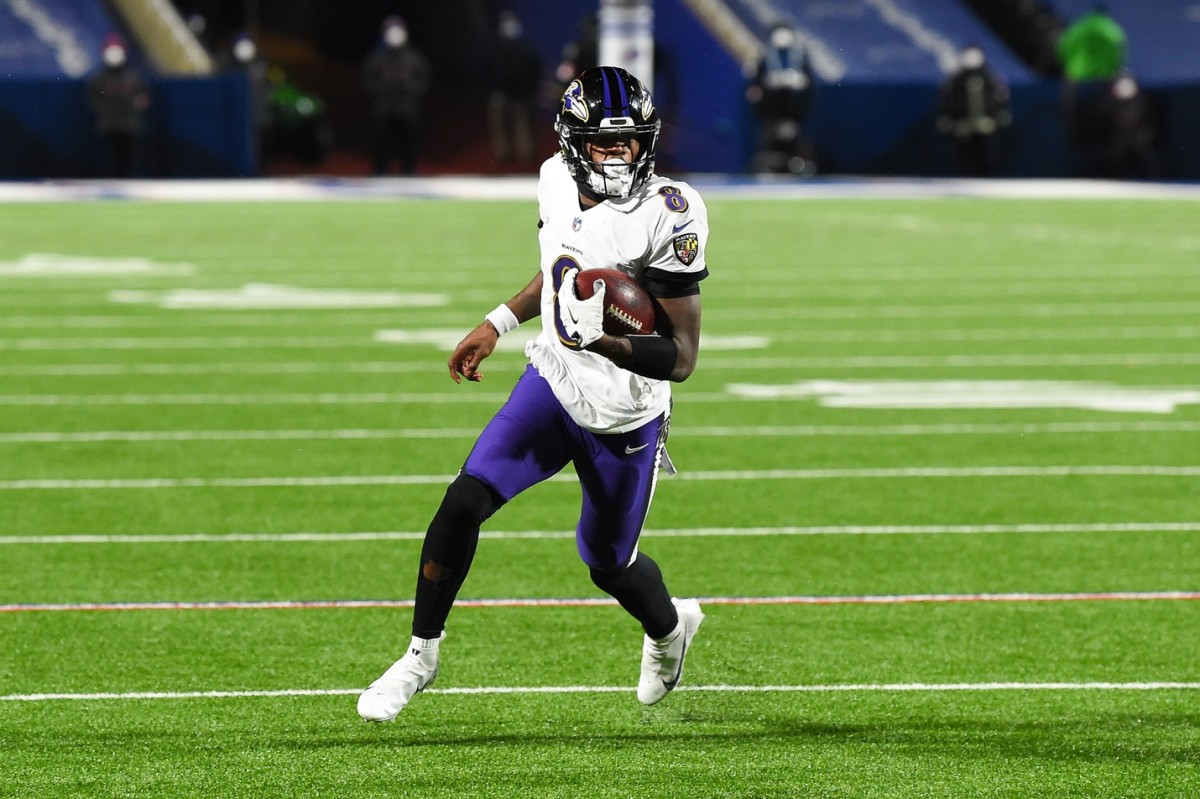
678	228
630	450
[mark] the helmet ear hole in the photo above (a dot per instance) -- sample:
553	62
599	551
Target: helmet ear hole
608	102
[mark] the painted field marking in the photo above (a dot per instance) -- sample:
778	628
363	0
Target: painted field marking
940	394
330	398
335	301
440	338
73	266
1131	400
514	690
730	475
965	310
93	343
259	296
890	283
435	365
953	361
446	339
360	604
430	366
1131	333
682	532
732	431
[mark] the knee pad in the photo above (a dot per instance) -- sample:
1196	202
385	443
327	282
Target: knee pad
450	541
468	501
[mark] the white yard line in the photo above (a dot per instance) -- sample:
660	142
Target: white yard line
731	431
434	364
467	396
129	343
928	472
621	689
681	532
564	602
338	318
431	366
331	398
951	361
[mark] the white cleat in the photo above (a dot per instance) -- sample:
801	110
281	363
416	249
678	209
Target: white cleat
662	659
410	675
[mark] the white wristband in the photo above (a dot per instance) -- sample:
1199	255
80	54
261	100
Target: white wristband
503	319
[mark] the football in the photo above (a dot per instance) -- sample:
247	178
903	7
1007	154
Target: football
628	309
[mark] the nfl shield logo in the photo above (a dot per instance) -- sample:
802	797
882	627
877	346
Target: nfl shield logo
577	224
687	247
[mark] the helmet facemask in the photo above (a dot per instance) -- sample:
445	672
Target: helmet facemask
603	107
614	177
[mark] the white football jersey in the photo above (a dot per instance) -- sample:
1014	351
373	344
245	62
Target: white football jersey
663	228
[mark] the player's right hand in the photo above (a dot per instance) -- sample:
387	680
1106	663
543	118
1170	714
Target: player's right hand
583	320
470	352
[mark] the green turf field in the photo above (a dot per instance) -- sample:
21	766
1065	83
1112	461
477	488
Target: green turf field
939	492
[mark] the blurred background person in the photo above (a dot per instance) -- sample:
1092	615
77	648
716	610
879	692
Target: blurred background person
579	54
118	96
1093	52
781	93
244	56
516	72
1128	132
396	76
973	108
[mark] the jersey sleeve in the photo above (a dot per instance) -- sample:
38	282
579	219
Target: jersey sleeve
544	194
677	261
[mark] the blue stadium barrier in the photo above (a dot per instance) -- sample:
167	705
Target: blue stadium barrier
195	127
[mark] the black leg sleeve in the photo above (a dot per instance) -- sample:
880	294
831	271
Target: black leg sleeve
448	551
640	589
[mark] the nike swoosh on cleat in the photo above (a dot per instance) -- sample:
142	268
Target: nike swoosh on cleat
670	684
630	450
678	228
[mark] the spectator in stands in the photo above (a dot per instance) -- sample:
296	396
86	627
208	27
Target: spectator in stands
397	77
1093	48
516	72
973	109
781	93
197	23
579	54
244	57
1128	131
1092	51
119	97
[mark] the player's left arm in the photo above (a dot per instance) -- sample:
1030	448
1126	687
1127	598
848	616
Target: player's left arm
670	355
675	266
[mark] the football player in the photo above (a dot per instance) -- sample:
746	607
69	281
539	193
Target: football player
587	398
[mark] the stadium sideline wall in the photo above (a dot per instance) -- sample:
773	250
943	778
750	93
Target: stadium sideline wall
196	127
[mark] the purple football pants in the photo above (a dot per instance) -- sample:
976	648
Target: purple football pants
532	438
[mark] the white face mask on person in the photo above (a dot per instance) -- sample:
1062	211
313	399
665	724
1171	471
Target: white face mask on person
244	50
612	177
114	55
395	36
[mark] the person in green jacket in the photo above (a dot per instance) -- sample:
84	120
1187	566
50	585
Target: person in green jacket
1093	52
1093	48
